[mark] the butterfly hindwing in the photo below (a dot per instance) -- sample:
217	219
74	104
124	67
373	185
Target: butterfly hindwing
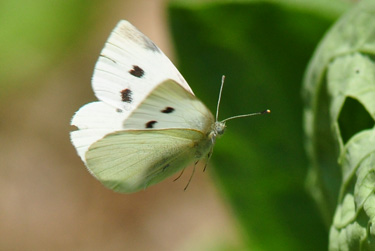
129	67
128	161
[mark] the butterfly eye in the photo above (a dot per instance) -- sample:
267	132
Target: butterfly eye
221	131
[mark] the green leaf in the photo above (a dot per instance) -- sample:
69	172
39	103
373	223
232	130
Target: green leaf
339	121
263	48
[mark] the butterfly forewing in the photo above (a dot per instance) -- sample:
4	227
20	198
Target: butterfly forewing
171	106
129	67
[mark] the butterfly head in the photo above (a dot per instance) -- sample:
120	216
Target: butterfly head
219	128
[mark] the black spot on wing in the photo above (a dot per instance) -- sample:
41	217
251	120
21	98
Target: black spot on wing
168	109
137	71
118	110
151	124
126	95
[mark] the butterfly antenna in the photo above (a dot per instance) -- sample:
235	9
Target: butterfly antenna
248	115
219	100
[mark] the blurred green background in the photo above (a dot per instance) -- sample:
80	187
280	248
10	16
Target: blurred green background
253	196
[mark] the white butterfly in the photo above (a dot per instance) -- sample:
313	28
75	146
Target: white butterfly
148	124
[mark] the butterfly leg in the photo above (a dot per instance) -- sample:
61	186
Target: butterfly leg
191	176
208	160
179	176
209	155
